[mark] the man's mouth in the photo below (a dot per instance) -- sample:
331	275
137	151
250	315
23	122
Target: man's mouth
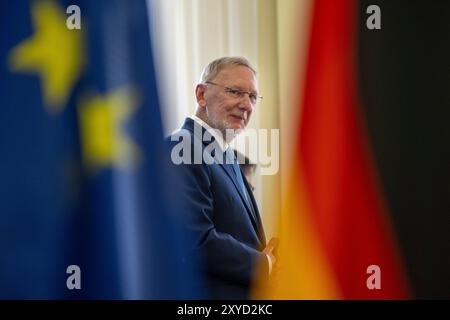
238	117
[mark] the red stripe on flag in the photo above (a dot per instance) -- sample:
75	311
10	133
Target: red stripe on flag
347	207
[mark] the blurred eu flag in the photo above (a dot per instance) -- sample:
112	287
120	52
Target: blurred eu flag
83	167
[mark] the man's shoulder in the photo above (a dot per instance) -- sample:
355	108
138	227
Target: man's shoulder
177	133
181	135
187	149
192	144
185	131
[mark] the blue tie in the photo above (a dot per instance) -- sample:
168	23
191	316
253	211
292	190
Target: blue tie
237	172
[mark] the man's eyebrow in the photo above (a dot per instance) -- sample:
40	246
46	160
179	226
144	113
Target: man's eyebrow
242	89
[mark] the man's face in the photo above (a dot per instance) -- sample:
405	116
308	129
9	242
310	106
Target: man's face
224	110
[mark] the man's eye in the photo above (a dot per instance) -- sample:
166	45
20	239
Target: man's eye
234	92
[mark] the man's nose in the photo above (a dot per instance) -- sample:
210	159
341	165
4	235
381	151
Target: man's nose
246	103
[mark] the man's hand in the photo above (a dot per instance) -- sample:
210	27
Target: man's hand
271	251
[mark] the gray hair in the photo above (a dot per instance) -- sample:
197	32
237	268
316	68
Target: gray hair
214	67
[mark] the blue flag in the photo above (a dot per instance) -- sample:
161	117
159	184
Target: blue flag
85	209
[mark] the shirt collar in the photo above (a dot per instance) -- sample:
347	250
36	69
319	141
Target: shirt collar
213	132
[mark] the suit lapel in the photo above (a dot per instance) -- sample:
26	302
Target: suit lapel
229	170
261	233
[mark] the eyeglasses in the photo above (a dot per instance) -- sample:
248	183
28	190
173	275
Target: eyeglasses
236	93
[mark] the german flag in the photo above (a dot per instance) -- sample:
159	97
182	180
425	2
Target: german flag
347	220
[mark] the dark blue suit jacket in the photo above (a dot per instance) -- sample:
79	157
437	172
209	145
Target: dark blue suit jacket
228	233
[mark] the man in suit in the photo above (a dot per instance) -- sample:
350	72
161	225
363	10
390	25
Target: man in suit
221	212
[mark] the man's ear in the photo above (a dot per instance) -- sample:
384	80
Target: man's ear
200	94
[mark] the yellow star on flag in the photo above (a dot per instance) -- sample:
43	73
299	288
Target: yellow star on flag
103	139
54	52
